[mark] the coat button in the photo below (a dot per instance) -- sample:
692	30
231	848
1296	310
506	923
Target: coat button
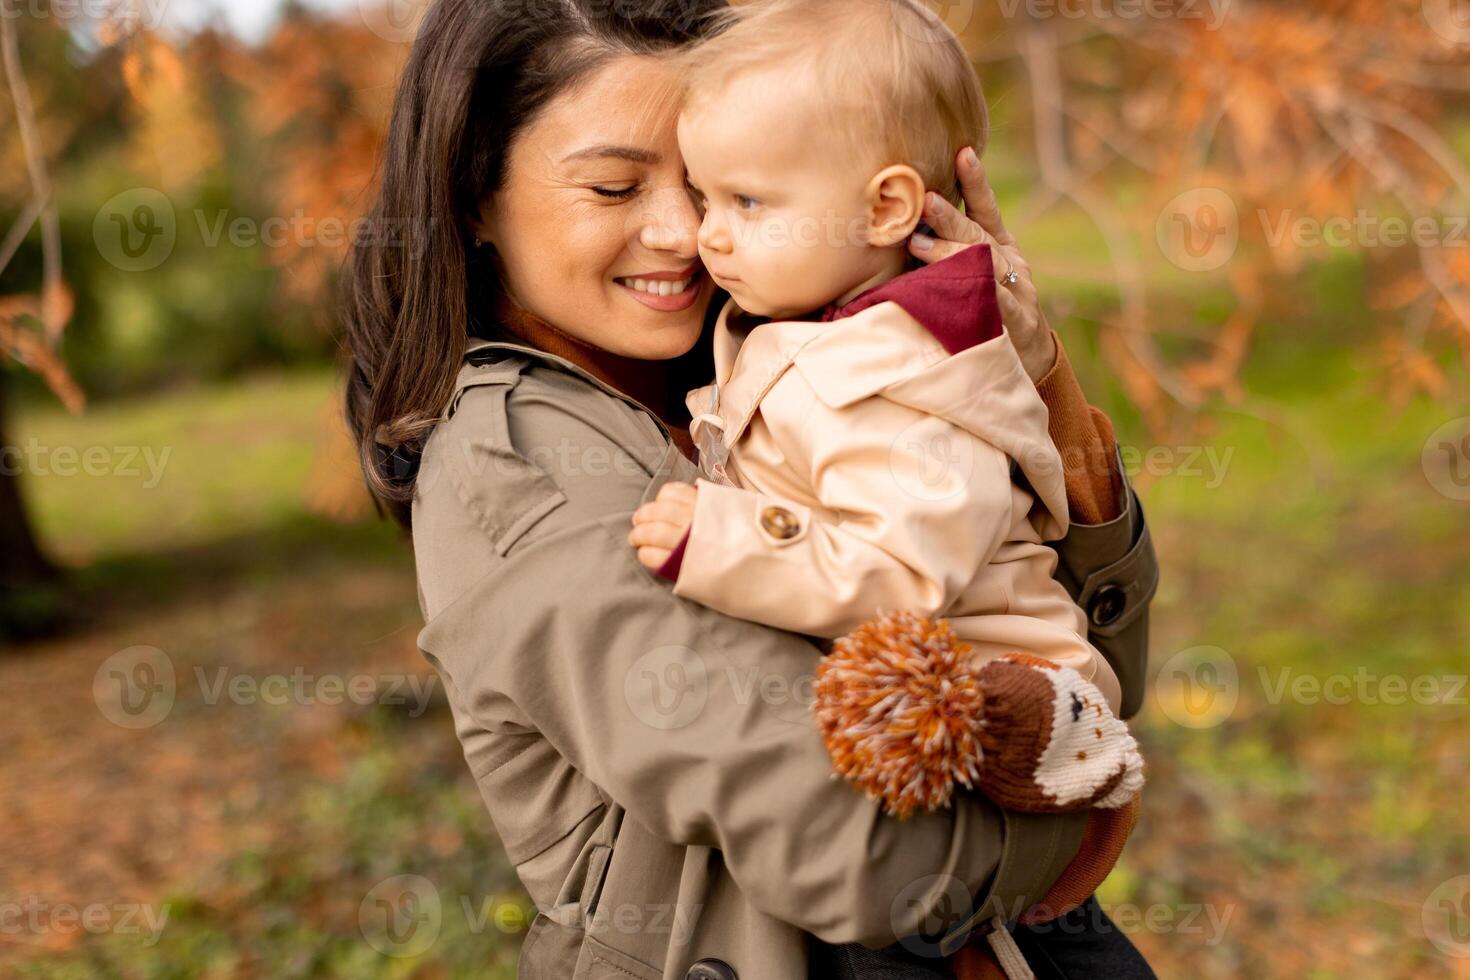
711	970
1107	606
780	523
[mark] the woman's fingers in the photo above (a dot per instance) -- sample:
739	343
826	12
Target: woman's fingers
980	201
948	223
929	250
960	231
1012	311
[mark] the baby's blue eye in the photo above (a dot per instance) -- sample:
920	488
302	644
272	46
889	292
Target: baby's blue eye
745	203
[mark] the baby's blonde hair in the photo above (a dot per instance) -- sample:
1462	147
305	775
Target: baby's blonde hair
900	85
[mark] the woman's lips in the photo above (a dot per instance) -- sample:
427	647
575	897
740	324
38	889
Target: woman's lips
667	292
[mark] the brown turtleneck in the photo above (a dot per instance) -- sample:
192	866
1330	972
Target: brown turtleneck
650	383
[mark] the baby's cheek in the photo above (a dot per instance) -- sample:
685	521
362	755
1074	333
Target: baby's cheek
801	276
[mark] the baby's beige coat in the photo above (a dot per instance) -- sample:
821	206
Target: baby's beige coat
896	461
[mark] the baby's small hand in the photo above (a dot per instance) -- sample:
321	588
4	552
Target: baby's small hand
660	524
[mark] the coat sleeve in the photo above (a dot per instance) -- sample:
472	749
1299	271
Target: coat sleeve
698	724
1106	561
923	504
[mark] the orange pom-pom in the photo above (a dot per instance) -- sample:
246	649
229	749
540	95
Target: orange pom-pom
899	705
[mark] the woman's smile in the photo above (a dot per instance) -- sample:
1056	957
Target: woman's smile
667	292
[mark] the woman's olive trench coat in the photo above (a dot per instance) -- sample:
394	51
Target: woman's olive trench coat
651	765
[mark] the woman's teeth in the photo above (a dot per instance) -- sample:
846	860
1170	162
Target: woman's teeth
658	287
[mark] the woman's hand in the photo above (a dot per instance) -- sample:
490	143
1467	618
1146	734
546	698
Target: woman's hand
660	524
1020	307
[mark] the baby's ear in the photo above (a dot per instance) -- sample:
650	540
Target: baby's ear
895	199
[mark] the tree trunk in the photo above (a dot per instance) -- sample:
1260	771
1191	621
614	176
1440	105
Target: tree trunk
21	562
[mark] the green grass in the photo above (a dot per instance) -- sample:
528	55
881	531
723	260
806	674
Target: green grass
182	469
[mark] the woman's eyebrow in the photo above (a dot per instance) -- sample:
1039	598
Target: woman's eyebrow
631	153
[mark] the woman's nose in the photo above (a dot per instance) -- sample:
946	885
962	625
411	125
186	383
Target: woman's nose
670	224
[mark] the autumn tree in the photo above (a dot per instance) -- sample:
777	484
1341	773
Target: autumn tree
1218	125
31	323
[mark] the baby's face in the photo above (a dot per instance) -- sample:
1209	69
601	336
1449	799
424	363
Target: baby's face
785	207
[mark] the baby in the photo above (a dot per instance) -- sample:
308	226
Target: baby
872	441
860	441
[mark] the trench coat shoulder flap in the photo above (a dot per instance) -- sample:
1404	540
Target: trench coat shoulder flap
507	486
673	712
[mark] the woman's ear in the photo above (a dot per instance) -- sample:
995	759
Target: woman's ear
895	198
481	225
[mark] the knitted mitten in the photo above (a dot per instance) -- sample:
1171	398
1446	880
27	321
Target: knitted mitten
1052	743
907	714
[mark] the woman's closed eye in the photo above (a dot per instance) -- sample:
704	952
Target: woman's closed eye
616	193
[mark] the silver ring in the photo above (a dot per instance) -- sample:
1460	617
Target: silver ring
1011	278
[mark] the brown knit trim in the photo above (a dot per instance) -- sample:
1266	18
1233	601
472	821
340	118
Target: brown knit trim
1084	437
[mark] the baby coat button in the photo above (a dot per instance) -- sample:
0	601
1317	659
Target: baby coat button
711	970
780	523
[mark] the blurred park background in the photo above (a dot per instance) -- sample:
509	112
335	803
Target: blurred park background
223	755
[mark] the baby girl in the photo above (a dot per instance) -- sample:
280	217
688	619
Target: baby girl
872	441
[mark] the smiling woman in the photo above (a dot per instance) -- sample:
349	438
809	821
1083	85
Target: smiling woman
542	186
517	383
593	229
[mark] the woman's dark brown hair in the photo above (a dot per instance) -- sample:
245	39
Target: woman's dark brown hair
479	72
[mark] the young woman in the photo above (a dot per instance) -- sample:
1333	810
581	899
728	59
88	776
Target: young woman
521	342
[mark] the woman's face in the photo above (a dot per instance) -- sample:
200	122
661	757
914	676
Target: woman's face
595	231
